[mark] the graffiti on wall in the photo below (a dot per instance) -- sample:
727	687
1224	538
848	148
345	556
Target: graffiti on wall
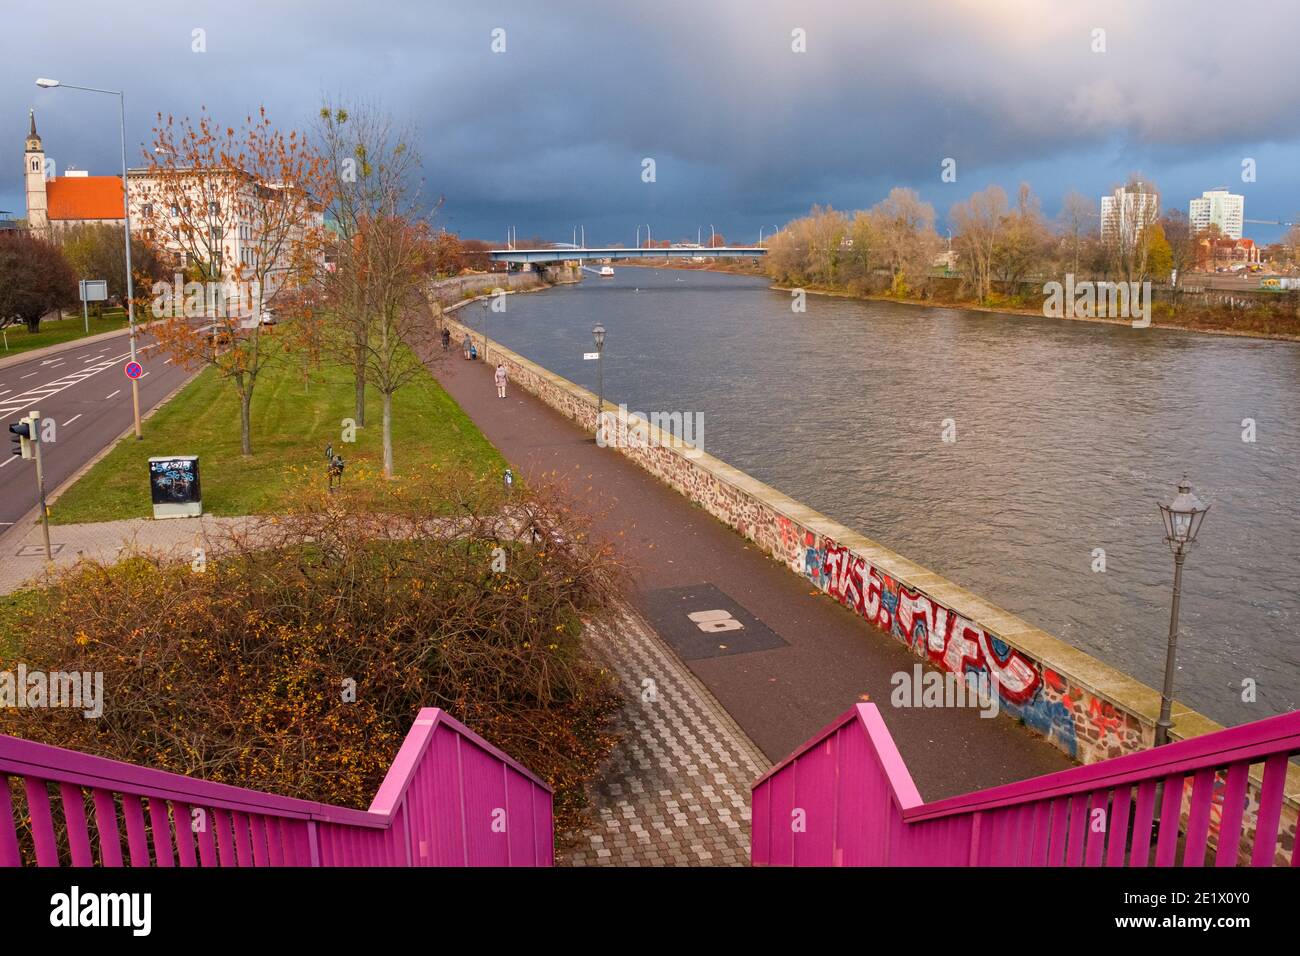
931	630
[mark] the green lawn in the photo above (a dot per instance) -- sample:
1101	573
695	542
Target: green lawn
292	423
55	332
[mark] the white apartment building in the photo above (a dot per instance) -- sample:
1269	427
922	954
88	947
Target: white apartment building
1126	212
1218	207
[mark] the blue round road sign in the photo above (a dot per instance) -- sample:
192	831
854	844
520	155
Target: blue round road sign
134	370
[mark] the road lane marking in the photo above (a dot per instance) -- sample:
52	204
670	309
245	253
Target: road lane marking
6	391
111	394
38	393
29	374
73	419
7	461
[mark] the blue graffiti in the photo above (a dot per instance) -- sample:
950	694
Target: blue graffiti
1051	718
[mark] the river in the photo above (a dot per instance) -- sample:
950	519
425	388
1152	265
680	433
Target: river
1066	436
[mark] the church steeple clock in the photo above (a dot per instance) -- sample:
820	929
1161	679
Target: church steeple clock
38	219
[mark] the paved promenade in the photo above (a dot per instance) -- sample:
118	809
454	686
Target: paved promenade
812	658
676	790
23	556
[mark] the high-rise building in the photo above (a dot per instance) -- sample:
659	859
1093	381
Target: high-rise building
1128	211
1218	207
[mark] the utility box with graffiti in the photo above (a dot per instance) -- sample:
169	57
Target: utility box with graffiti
174	487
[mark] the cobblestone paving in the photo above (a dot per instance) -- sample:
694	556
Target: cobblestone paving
676	790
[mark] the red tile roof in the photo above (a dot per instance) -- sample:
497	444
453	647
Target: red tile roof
84	197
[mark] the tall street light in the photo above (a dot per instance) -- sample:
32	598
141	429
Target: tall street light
1182	518
48	84
598	333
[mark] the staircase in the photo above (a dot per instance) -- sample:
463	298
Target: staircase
449	799
846	799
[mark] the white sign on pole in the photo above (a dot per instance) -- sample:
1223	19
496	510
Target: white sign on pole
590	356
93	290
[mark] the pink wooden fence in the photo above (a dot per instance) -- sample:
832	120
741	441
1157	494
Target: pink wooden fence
846	799
449	799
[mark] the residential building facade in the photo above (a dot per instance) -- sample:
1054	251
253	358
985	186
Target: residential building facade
1218	207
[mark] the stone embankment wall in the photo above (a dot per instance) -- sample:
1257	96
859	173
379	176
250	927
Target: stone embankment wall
1085	707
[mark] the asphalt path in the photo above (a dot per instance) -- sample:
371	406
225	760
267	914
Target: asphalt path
84	391
799	660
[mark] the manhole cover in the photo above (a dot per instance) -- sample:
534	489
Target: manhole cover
701	621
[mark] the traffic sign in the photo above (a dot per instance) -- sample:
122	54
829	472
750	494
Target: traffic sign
93	290
134	370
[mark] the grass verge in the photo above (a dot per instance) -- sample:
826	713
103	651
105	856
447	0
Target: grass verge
294	418
17	339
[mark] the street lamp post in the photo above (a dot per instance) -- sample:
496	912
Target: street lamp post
1182	518
598	333
49	84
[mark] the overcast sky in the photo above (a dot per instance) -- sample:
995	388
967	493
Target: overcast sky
744	131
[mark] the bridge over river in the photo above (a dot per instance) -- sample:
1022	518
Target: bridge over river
565	253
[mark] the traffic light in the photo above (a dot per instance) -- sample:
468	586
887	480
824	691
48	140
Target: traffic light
26	433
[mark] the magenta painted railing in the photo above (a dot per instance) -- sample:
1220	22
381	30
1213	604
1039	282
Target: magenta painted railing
449	799
846	799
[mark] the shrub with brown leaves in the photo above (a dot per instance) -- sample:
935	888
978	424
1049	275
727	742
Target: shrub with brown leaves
466	598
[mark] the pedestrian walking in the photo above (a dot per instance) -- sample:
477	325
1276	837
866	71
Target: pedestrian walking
501	381
467	345
446	339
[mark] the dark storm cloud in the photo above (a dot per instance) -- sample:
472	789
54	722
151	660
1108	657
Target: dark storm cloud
743	130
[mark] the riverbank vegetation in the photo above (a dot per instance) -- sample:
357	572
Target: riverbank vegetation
1000	252
295	660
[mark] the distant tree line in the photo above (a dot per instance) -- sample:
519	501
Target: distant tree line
994	245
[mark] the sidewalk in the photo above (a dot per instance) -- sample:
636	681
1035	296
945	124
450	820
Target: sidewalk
814	658
24	556
675	792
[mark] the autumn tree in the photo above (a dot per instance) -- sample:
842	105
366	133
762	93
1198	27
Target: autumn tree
396	253
1077	222
1158	254
386	255
902	234
1181	237
1022	246
35	279
371	167
447	254
1127	245
979	221
98	251
242	208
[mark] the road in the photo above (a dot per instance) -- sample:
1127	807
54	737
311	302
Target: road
84	389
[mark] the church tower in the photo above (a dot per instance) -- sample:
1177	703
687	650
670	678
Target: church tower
38	219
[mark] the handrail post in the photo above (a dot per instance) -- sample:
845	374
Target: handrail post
313	843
